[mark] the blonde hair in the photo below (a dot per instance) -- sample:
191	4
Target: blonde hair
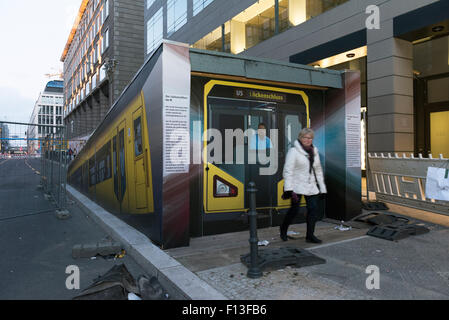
306	131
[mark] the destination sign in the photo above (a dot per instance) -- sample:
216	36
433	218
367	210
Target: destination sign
259	95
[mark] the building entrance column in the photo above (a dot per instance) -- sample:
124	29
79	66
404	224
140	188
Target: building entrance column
390	92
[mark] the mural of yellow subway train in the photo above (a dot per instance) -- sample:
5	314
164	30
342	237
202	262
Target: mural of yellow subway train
161	161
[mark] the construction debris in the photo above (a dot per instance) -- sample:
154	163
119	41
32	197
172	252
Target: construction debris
391	227
113	285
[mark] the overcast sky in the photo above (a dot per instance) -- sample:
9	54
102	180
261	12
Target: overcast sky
33	34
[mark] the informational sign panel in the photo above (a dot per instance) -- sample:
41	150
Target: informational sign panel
176	120
353	142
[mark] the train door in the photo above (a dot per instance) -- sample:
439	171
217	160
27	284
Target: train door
261	113
229	169
140	172
118	164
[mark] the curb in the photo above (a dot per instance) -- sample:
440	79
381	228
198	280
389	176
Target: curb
177	280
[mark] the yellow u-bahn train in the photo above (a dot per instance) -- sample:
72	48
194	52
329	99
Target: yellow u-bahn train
176	100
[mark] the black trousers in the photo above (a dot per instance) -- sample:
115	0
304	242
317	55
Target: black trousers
311	217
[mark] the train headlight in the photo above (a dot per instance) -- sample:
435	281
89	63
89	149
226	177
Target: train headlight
222	188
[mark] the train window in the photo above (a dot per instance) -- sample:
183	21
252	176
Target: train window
138	150
104	162
92	172
101	169
114	164
292	127
122	163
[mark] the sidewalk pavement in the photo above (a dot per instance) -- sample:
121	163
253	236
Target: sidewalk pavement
210	269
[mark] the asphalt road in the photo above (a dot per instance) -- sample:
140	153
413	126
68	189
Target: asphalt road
36	246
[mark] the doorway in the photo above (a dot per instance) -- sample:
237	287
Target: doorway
439	133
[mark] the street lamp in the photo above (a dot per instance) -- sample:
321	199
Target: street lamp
109	66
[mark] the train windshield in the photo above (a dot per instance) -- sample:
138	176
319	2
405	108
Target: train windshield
250	131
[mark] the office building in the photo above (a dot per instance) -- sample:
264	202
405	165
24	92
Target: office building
4	136
48	110
103	52
400	47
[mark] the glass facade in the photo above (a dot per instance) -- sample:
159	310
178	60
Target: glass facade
176	15
155	31
150	3
261	21
215	41
199	5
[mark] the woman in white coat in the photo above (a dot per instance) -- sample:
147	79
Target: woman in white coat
303	175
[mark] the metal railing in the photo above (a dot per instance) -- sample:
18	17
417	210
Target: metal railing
402	180
32	154
54	163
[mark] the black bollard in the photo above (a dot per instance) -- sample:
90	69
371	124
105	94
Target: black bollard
254	270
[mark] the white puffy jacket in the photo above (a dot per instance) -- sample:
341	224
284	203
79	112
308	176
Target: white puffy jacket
297	177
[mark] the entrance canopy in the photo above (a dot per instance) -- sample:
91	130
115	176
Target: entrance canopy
208	62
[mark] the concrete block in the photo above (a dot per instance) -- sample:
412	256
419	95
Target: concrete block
104	248
108	248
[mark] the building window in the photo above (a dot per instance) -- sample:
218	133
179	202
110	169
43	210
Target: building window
105	42
106	9
214	40
259	22
150	3
94	81
155	31
199	5
96	53
176	15
102	73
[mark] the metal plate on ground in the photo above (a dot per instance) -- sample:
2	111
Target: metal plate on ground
387	219
279	258
394	232
378	218
374	205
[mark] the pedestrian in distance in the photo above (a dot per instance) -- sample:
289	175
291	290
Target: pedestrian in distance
70	152
303	176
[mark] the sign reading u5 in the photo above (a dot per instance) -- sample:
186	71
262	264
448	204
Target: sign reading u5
264	95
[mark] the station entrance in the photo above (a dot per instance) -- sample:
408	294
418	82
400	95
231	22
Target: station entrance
204	142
